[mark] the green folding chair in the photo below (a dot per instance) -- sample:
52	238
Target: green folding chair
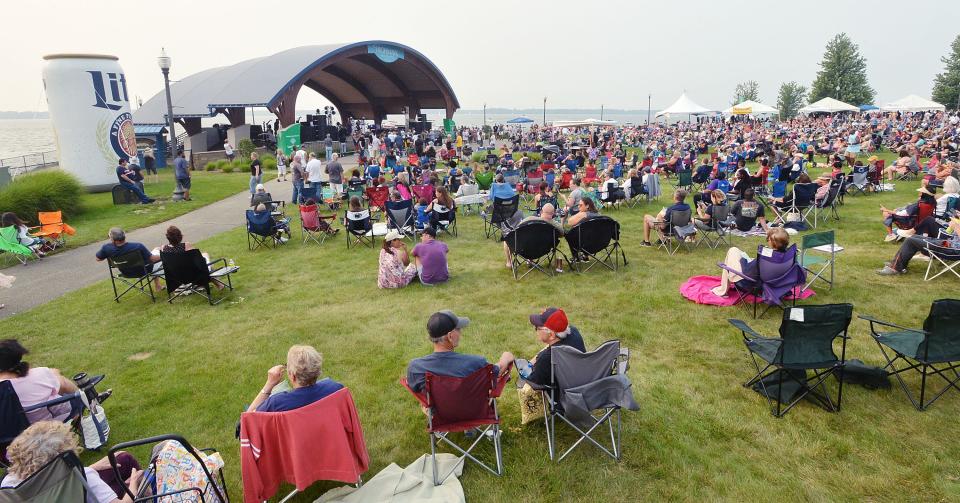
61	479
818	253
484	179
932	351
10	245
805	347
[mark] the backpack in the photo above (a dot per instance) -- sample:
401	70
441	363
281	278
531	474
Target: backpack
870	377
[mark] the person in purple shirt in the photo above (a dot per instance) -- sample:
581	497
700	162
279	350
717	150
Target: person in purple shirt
431	258
304	367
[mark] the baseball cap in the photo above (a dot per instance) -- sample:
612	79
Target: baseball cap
553	318
443	322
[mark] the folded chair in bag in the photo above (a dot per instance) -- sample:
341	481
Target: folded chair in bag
130	271
593	241
677	231
180	473
313	225
715	232
188	272
501	216
53	228
587	384
806	344
10	245
533	244
402	217
359	227
61	480
945	258
261	230
777	276
818	253
932	351
459	404
445	219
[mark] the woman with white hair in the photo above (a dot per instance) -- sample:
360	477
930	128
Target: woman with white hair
304	367
948	201
45	440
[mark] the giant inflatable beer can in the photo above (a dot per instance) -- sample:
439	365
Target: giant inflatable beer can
90	111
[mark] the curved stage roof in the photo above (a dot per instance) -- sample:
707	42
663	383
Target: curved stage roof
363	79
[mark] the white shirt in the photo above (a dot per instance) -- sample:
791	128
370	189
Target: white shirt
315	171
228	148
99	492
376	142
302	154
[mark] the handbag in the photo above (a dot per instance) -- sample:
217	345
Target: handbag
531	404
94	428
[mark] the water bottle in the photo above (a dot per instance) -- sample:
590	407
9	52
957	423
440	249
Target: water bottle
231	264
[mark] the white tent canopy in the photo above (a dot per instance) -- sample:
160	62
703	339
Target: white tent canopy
829	105
587	122
912	103
684	106
750	107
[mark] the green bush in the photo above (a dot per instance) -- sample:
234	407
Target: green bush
269	163
227	168
48	190
245	147
240	165
213	165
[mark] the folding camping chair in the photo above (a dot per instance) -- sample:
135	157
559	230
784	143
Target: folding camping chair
534	244
501	216
484	179
716	226
183	460
511	177
944	258
61	479
13	416
818	252
459	404
807	336
933	350
359	227
684	180
445	219
10	245
827	207
261	230
676	231
313	225
586	383
402	216
130	271
777	276
802	203
638	190
593	241
53	228
188	272
423	192
859	182
377	197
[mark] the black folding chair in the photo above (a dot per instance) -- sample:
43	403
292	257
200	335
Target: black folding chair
676	231
359	228
501	216
187	273
402	217
827	207
638	191
932	351
534	245
445	219
593	241
130	271
714	232
806	341
802	203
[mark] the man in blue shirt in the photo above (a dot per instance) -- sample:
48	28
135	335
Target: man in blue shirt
118	247
181	172
445	329
304	367
126	176
660	221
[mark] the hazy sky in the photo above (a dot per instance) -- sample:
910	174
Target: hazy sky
504	53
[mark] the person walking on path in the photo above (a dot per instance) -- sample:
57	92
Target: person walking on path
328	145
228	150
149	161
181	171
335	174
281	166
256	173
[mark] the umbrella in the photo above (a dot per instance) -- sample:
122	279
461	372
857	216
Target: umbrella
864	108
520	120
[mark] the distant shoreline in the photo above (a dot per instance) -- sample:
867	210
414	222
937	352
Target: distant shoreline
24	115
468	111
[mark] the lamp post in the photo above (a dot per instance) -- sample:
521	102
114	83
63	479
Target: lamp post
484	115
544	111
163	61
649	96
601	111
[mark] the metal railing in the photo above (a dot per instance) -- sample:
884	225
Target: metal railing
28	162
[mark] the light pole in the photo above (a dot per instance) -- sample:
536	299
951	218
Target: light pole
544	111
163	61
484	115
649	96
601	111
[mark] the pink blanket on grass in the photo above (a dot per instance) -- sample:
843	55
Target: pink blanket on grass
697	289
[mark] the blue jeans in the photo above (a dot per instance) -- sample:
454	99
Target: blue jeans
329	153
136	190
254	181
297	189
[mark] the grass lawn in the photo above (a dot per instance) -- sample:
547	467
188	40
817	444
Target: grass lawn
190	368
100	214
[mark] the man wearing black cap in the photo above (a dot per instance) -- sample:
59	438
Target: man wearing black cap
552	328
444	329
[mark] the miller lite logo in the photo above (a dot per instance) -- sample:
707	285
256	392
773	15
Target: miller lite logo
117	83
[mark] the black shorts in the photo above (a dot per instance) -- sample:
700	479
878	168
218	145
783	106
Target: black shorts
184	182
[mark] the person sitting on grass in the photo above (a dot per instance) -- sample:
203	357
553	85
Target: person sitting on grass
738	260
118	246
660	221
905	217
396	269
430	256
552	328
445	330
928	231
304	368
43	441
747	212
35	384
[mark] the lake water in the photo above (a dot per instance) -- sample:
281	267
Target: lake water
25	136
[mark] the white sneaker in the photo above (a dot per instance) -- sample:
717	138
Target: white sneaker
890	237
905	233
283	240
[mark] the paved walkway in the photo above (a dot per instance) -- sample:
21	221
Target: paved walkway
41	281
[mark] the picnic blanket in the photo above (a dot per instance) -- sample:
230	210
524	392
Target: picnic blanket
697	289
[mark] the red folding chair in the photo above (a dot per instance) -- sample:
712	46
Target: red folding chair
377	197
565	179
456	404
423	192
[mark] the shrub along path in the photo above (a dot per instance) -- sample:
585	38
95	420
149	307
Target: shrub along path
41	281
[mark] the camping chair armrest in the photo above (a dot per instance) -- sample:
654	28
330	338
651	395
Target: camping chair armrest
501	381
421	397
216	261
744	328
52	402
727	268
623	361
873	321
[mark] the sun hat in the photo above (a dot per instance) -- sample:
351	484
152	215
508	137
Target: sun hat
392	235
925	190
443	322
873	158
552	318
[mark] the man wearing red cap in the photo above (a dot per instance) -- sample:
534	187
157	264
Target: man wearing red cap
552	328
